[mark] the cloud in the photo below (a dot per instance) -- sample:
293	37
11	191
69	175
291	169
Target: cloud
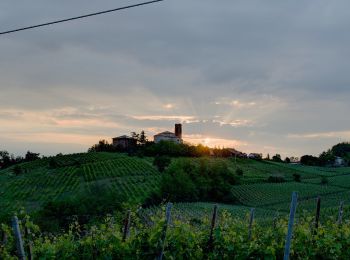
212	141
340	134
184	118
235	123
236	103
269	75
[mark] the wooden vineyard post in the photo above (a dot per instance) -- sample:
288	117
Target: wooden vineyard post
18	236
212	227
251	220
126	226
27	234
293	208
317	217
165	228
340	214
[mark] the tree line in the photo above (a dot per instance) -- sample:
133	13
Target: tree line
327	158
7	159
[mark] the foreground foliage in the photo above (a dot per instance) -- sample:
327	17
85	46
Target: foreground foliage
186	241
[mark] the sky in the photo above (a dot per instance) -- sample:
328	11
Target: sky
260	76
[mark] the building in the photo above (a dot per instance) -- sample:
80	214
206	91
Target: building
338	162
124	142
226	152
255	156
235	153
169	136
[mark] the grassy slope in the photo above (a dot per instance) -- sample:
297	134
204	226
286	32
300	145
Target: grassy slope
136	178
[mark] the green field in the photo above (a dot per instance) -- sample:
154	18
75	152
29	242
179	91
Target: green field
136	178
67	184
133	177
267	194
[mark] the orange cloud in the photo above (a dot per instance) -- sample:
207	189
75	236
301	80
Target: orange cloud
181	118
211	141
335	134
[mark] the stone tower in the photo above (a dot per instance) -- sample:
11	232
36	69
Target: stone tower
178	130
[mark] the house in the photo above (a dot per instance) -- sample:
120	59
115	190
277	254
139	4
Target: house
124	142
226	152
255	156
235	153
338	162
175	137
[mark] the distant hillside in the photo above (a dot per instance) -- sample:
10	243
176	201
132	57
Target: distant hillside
40	182
61	177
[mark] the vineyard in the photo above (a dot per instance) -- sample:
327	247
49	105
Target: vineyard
228	236
135	179
132	177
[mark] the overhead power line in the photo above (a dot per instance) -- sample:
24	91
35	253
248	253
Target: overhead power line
80	17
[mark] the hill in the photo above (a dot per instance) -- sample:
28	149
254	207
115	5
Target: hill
97	189
134	178
39	183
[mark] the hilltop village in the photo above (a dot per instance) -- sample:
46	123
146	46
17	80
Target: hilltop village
126	142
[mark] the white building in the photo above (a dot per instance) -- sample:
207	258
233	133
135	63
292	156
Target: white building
338	162
256	156
169	136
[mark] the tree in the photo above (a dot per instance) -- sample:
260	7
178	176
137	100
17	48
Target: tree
277	158
29	157
142	138
309	160
7	160
326	158
135	135
161	162
287	160
186	180
294	159
102	146
341	149
4	159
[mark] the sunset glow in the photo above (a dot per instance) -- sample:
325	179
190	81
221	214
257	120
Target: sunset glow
271	91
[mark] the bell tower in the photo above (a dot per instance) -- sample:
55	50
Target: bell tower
178	130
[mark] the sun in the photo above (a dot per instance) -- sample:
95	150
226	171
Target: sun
207	141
